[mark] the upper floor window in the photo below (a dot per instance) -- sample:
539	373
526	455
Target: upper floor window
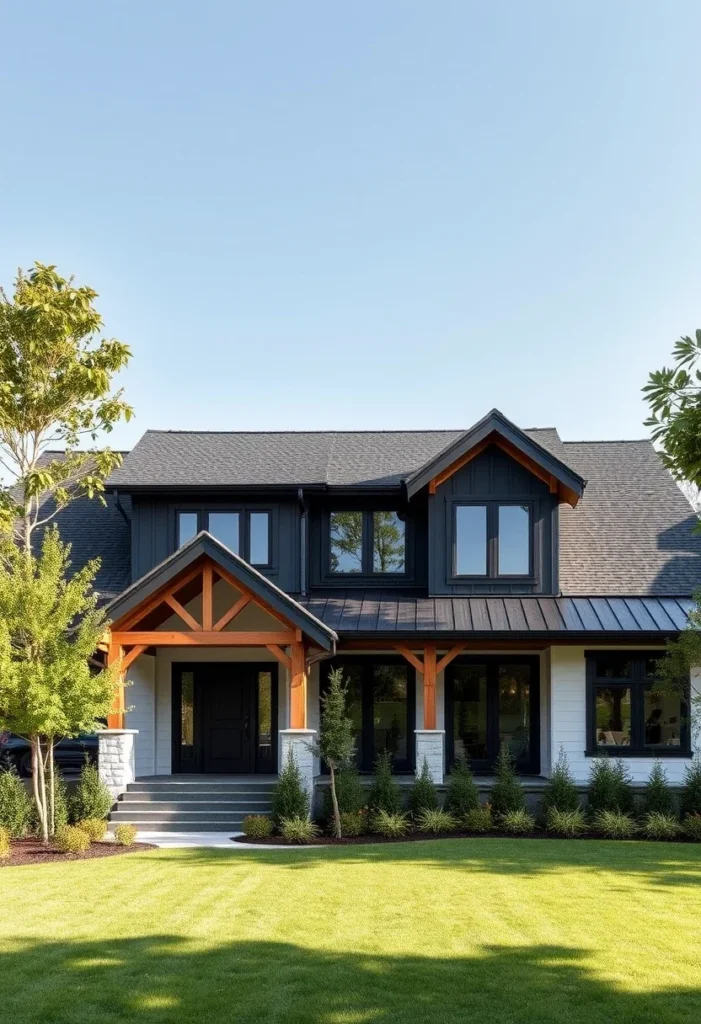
492	539
367	543
246	533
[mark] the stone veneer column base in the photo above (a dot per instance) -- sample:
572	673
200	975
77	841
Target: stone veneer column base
299	742
430	744
115	759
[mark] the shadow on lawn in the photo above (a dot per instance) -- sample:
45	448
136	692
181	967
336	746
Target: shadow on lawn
163	980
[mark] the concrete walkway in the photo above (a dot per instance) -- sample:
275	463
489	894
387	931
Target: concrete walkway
212	840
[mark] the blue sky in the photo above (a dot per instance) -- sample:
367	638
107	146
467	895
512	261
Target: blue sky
378	214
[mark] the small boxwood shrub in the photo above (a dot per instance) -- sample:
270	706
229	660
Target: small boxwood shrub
479	819
560	793
660	826
350	792
615	825
390	825
4	842
16	805
257	826
354	823
290	798
299	830
518	822
691	827
91	799
385	793
69	839
566	823
423	795
690	796
462	794
507	791
94	828
435	821
125	834
657	795
609	786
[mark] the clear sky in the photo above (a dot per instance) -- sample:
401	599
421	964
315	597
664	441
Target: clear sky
370	214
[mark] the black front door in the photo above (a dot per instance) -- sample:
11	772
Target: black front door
227	719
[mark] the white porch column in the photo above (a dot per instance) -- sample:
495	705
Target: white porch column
115	759
430	744
299	742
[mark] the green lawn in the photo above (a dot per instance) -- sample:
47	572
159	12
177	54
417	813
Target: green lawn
475	931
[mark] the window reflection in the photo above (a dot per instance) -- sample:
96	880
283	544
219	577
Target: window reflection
259	538
514	540
265	714
390	711
470	712
346	541
225	527
187	719
663	719
613	716
471	540
187	527
388	543
515	710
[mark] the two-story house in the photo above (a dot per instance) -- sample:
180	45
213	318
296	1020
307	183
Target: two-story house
482	587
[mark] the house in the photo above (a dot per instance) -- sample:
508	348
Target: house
479	587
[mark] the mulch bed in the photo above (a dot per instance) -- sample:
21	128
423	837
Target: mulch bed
33	851
415	837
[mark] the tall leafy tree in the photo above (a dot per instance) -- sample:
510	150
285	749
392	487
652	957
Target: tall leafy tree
336	745
56	391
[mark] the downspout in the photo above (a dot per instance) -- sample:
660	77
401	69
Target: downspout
119	505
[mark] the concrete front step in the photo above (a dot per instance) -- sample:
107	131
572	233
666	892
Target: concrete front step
172	816
225	828
197	788
180	796
193	803
156	807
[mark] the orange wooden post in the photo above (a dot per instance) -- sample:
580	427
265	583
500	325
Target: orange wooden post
298	686
429	686
207	597
115	719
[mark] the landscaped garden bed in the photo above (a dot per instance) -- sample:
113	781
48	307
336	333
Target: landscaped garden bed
33	851
416	837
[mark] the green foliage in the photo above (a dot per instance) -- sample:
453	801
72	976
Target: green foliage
55	391
61	808
69	839
462	794
92	798
350	792
615	825
336	745
690	796
436	821
299	830
125	834
423	795
290	798
569	824
391	826
657	825
94	828
674	397
257	826
479	819
507	791
609	786
657	796
691	827
561	793
354	823
385	793
517	822
4	842
16	806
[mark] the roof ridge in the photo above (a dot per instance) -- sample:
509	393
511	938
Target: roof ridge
382	430
614	440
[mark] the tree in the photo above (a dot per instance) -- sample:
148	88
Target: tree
50	625
55	390
336	746
561	793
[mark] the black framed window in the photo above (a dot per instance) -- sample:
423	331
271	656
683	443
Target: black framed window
187	527
246	532
368	543
493	538
627	713
226	527
381	704
492	701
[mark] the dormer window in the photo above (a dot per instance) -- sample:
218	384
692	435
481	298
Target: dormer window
245	532
492	539
367	543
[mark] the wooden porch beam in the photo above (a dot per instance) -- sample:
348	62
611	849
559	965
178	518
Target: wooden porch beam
283	658
203	638
447	658
237	607
150	604
182	613
132	655
298	686
410	657
207	596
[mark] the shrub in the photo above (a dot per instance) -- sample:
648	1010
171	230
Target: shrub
354	823
91	799
690	796
518	822
125	834
290	798
566	823
386	793
423	795
4	842
61	809
479	819
94	828
436	821
660	826
257	826
609	787
462	794
691	827
69	839
507	792
560	793
657	796
390	825
298	830
350	792
615	825
16	805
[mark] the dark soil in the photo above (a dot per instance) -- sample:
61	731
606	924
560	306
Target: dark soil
33	851
414	837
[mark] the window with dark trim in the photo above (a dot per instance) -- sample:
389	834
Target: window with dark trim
627	712
246	532
368	543
493	539
380	703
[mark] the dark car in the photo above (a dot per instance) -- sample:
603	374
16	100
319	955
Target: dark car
69	754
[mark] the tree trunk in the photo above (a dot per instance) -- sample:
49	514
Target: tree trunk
52	787
39	786
334	801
